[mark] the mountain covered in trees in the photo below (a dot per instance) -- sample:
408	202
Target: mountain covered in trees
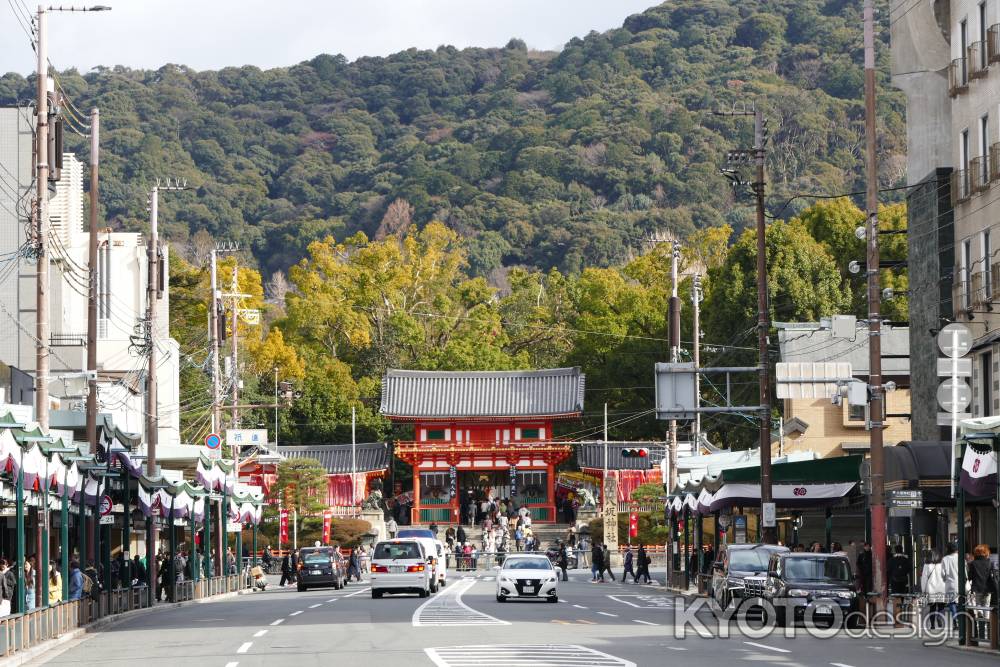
538	159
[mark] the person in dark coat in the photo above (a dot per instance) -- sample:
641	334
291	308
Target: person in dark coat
981	580
899	572
597	562
460	535
629	558
138	570
563	561
287	569
865	569
642	567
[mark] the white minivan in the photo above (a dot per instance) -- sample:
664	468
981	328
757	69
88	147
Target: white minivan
401	566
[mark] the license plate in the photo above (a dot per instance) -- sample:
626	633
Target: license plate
396	569
824	609
316	572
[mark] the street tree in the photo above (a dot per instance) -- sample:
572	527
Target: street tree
302	487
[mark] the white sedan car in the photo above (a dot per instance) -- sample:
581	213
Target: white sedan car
400	566
527	576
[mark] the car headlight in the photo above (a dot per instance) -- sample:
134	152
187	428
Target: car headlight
506	580
550	580
845	595
799	593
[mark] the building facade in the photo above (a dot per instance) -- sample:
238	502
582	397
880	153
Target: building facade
481	435
946	58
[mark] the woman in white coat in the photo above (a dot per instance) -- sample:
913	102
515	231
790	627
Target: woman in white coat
932	585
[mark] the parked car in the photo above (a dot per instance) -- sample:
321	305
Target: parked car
400	566
735	563
320	566
526	575
808	585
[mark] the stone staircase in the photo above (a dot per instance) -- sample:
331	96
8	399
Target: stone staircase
546	533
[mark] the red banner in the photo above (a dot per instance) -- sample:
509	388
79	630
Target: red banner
282	525
633	524
327	524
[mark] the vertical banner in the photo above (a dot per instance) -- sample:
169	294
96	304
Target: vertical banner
282	525
633	524
610	510
452	482
513	481
327	524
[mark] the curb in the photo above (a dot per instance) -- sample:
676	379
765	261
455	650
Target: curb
63	641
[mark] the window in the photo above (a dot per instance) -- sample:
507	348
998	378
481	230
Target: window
435	434
987	258
986	383
963	157
983	56
530	434
966	273
984	149
963	30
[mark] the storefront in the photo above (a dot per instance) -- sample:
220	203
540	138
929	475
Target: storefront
482	435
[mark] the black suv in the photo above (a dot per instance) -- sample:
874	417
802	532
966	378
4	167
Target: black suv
321	566
735	563
809	585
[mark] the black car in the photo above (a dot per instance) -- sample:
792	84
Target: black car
735	563
807	585
321	566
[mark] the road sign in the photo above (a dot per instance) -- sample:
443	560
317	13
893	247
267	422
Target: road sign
959	367
106	505
740	529
213	442
107	520
769	515
906	499
946	418
238	437
955	340
675	394
234	527
954	395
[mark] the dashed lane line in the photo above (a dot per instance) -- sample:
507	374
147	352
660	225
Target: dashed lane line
231	664
363	590
296	613
260	633
769	648
313	606
839	664
278	622
636	620
547	655
244	647
676	648
604	613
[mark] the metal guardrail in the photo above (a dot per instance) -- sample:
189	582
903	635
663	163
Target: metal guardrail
22	631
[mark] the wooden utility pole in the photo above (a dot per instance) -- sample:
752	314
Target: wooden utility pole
42	227
875	390
152	294
92	289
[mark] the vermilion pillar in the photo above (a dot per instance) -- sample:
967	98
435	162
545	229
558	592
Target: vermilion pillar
415	515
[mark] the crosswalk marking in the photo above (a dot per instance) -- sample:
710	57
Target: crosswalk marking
447	609
544	655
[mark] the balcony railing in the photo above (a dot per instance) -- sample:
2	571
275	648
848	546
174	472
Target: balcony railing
994	279
980	289
979	174
960	296
958	77
993	44
995	162
959	186
976	54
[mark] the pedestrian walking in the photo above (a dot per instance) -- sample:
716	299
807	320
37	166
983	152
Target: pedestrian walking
865	569
643	565
75	583
563	561
354	565
138	571
932	586
629	556
28	604
460	537
949	573
55	584
596	563
982	582
287	573
607	562
391	527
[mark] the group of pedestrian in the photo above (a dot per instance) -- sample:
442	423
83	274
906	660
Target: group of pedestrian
635	564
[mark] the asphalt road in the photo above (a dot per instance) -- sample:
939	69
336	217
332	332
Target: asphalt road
593	624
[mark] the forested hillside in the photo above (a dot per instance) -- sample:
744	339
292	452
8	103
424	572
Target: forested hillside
563	160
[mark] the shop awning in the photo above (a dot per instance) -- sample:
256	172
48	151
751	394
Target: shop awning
821	471
784	495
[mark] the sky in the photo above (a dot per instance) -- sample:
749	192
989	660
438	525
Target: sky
210	34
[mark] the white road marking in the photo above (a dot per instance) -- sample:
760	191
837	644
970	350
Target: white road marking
580	606
550	655
840	664
350	595
447	609
604	613
676	648
244	647
260	633
295	613
636	620
279	621
332	600
769	648
313	606
231	664
645	601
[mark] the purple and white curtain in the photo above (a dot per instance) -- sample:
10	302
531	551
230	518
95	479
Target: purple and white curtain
979	470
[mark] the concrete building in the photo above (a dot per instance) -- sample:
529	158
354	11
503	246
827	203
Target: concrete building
816	424
946	58
122	282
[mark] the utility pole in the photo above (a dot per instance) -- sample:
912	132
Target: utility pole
675	346
875	389
696	357
354	453
152	431
235	353
42	227
92	286
213	326
769	533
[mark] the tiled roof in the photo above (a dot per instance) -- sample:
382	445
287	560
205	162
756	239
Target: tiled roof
336	459
591	455
443	394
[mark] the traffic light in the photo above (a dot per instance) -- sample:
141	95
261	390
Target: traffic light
635	453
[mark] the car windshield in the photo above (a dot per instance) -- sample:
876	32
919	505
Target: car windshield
416	532
527	564
817	569
749	560
393	550
318	557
